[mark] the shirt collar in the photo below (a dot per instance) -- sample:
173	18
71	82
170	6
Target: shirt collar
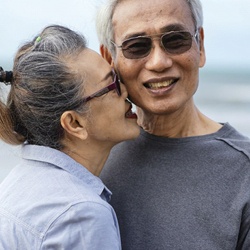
63	161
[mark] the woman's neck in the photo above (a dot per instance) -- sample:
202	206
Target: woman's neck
90	156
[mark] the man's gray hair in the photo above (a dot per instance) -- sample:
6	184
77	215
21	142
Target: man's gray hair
105	13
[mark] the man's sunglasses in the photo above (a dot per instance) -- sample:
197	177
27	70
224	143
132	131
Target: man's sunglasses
174	42
114	85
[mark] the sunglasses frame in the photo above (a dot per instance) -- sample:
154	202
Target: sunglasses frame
159	36
114	85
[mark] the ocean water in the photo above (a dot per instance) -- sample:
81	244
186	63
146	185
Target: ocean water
222	95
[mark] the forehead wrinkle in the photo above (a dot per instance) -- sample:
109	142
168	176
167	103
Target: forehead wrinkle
152	18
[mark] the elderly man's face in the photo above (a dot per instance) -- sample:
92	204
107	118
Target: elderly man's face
160	82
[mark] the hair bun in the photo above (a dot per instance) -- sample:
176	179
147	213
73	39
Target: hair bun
5	76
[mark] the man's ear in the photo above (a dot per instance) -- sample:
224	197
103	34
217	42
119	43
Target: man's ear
74	124
202	48
106	54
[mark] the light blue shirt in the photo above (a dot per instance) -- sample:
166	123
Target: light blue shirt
49	201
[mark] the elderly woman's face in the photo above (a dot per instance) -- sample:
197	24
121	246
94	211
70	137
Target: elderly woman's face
160	82
110	118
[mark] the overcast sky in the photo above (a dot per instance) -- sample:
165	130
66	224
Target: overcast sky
227	26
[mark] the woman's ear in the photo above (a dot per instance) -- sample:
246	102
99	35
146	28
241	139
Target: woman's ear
74	124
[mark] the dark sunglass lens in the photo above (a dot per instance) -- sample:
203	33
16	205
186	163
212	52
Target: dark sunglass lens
177	42
136	48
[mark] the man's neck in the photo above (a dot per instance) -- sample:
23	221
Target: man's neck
185	124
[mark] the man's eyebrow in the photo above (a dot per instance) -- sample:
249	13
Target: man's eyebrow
171	27
134	35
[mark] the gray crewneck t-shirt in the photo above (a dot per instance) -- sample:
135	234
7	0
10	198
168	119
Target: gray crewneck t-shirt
188	193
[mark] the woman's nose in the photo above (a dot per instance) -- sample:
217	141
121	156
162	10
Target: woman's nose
124	91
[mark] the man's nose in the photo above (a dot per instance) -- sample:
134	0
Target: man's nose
158	59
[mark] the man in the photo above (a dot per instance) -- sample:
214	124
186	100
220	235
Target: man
185	182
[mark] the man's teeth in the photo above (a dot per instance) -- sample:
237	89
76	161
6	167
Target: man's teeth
158	85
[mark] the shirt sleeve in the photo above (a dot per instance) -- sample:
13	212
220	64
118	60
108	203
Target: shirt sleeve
87	225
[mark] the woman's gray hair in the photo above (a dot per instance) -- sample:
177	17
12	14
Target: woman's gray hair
43	87
105	13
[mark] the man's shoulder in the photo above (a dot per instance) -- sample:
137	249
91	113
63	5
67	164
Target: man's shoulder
236	140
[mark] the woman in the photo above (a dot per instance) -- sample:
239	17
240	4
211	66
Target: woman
67	109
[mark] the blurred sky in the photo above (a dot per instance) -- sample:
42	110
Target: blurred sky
227	27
